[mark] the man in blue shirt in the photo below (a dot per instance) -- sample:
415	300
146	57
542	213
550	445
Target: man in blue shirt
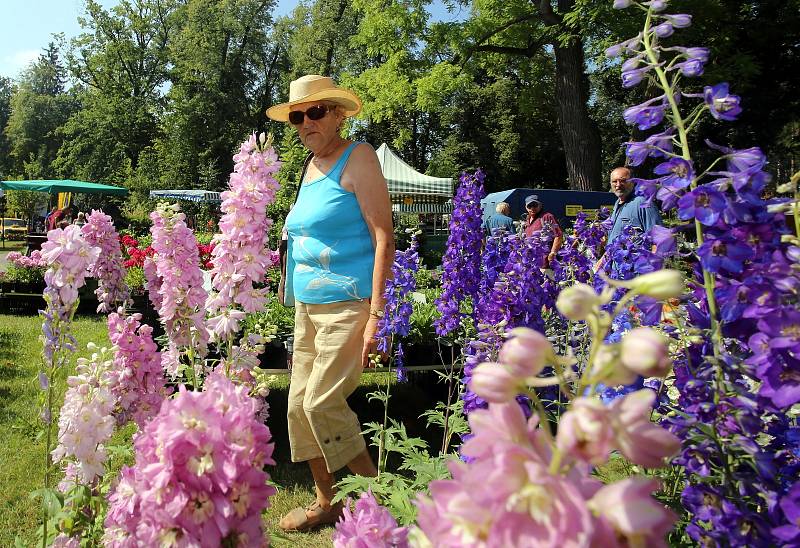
628	210
500	219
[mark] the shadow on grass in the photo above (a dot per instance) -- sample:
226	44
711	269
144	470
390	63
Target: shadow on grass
407	403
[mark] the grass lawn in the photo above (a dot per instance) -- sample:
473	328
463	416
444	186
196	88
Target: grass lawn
22	448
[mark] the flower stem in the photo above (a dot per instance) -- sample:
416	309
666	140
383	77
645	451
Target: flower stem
677	119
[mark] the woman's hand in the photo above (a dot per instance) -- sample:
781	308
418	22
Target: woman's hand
370	342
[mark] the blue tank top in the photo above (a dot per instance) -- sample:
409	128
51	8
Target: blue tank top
331	255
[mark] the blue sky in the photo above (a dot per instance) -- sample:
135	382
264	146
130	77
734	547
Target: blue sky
27	25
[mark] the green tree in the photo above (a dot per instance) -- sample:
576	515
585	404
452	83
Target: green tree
6	91
120	62
24	203
39	107
217	94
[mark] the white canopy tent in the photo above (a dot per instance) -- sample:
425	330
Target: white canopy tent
412	191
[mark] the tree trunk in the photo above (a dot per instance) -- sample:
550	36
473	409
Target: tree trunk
579	133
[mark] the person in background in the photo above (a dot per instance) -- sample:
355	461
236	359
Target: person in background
80	220
340	250
500	219
540	221
50	220
629	210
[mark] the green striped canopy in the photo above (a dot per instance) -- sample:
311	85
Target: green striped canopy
404	180
63	185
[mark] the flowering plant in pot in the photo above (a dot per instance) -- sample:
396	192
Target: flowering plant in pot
26	273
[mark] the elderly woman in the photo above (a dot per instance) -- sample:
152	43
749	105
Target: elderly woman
340	249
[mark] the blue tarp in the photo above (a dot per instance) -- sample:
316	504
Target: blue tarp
564	204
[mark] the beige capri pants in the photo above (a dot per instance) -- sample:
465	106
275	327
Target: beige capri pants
326	369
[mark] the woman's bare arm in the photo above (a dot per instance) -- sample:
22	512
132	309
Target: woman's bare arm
364	177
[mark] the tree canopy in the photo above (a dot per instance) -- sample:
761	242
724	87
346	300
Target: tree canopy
158	93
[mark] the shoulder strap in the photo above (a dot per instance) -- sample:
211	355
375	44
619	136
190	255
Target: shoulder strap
338	168
302	176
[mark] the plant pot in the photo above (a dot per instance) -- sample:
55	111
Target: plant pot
274	356
429	354
141	304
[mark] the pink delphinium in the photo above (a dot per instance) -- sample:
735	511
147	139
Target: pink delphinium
63	541
641	441
645	352
585	431
368	525
198	479
86	421
522	487
180	292
242	359
99	231
68	256
241	256
629	516
506	496
138	379
34	261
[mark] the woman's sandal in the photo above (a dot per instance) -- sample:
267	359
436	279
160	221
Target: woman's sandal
312	516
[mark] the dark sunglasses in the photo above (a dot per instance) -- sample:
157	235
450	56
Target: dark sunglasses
317	112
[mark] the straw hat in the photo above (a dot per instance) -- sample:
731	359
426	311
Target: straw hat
313	87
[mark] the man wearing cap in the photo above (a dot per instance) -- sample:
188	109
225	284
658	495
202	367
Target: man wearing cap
500	219
541	222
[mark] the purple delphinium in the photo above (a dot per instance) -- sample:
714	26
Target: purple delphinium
646	115
724	254
461	261
736	386
395	322
658	144
515	299
721	104
704	203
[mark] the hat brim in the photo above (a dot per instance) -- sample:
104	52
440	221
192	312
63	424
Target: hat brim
344	97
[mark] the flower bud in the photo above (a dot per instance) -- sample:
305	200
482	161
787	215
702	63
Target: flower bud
577	302
656	5
661	284
679	20
585	432
494	383
606	367
644	351
622	4
526	353
664	30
